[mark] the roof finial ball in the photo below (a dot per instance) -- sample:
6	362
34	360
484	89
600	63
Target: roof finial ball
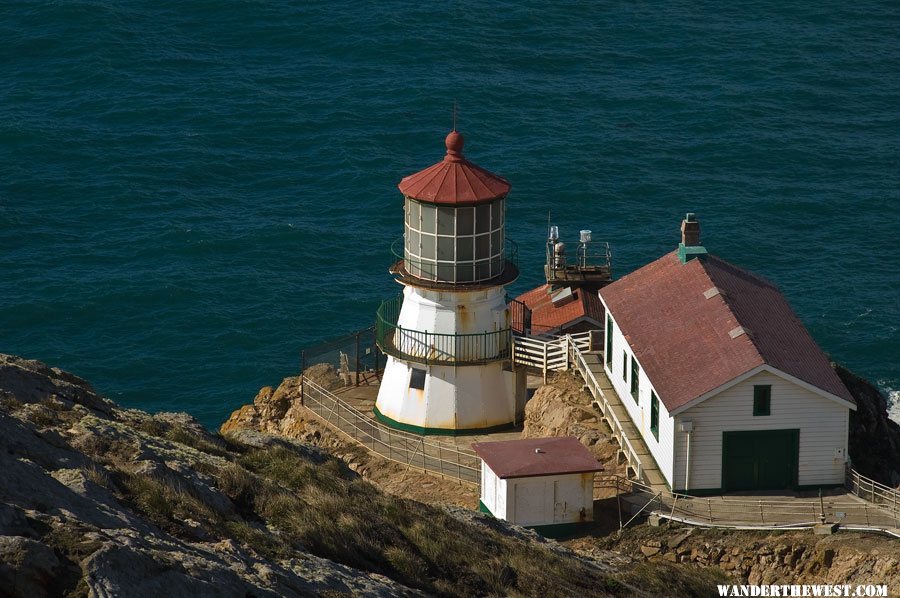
454	143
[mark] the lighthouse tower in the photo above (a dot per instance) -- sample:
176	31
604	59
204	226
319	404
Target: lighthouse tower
447	337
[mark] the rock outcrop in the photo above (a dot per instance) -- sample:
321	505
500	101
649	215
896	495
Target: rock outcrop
874	436
763	558
563	408
76	469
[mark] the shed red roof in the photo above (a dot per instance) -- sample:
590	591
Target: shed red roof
454	180
698	325
520	459
547	317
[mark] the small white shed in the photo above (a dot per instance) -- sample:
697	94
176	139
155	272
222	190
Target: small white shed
541	483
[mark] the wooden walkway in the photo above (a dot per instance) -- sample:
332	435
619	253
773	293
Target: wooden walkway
760	510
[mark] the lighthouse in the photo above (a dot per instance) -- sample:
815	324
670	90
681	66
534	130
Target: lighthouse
447	336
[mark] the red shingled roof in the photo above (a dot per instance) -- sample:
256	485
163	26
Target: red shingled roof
689	344
547	317
454	180
518	458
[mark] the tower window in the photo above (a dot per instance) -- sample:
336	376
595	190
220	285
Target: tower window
417	379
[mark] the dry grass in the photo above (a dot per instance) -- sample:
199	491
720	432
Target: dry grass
285	504
337	516
10	402
181	435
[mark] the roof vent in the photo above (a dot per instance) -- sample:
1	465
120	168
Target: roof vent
711	292
538	451
736	332
562	297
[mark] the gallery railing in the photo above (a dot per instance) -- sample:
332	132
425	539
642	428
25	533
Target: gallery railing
433	348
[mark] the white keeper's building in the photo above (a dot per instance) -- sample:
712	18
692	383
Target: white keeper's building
725	384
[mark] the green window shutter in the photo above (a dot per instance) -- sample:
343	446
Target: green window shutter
654	415
762	399
609	333
625	366
635	377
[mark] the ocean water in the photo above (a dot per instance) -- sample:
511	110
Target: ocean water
193	191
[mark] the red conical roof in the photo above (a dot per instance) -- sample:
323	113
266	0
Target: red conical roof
454	180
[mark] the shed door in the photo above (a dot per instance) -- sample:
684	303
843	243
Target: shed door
559	504
763	460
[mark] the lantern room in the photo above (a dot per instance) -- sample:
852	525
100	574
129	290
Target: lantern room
454	221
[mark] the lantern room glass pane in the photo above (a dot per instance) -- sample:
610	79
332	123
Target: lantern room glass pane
413	208
445	272
426	270
483	271
465	221
446	221
497	214
428	216
412	241
482	218
428	246
496	266
445	247
497	242
465	273
482	247
464	249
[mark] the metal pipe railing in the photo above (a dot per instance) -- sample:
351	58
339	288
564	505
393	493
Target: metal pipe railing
433	348
411	450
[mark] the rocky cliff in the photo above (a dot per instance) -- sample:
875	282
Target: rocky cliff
874	436
102	501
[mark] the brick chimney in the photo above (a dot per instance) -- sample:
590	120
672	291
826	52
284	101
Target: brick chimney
690	247
690	230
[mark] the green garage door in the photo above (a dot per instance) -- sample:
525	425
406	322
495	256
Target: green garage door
764	460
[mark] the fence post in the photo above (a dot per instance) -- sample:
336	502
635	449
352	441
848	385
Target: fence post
377	376
357	358
821	508
302	378
545	363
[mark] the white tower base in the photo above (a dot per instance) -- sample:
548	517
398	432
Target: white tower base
430	383
455	399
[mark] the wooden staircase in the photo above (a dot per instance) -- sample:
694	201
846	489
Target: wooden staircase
613	412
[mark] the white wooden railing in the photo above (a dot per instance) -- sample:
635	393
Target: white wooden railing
548	353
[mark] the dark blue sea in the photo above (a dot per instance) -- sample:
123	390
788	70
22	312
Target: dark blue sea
193	191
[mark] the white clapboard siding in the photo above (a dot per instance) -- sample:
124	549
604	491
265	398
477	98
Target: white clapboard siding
640	413
823	426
